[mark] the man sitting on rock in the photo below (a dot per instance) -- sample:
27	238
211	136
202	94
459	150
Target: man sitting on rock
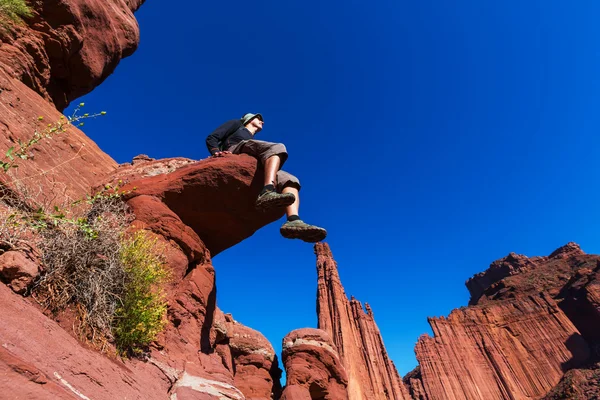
280	188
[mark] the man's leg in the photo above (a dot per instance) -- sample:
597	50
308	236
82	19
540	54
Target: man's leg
294	227
272	165
272	156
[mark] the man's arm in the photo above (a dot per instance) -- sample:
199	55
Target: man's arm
219	134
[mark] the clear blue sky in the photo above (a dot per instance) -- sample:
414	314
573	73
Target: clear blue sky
431	137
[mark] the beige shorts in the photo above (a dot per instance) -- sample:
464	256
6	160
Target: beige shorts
264	150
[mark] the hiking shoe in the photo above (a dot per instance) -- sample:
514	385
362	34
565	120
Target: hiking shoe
271	199
301	230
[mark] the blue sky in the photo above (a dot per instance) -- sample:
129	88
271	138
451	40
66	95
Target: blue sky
431	138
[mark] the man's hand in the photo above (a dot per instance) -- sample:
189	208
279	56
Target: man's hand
221	153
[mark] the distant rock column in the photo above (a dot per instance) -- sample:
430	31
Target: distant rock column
313	367
371	374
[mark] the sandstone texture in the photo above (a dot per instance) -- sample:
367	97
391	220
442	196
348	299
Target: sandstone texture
371	374
518	348
313	367
532	325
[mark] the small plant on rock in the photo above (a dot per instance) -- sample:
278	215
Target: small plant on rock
141	315
21	149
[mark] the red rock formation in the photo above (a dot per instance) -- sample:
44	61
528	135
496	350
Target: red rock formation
42	360
313	367
514	349
371	374
69	46
201	353
60	170
498	270
65	50
534	319
530	275
414	382
215	197
255	363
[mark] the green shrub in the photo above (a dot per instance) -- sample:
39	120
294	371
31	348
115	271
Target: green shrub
142	314
14	10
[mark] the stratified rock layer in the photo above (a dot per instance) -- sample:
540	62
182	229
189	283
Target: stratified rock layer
371	374
515	349
530	321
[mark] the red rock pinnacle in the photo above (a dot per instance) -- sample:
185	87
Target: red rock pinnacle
371	374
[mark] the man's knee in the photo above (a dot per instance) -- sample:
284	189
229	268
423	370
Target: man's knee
276	149
285	179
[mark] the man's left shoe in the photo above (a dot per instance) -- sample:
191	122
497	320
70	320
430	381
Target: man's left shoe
298	229
271	199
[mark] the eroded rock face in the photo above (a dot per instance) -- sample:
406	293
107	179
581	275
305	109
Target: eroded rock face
371	374
69	46
313	367
517	348
531	320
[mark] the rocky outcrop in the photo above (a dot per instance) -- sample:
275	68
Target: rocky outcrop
514	349
313	367
69	47
64	51
215	198
17	271
193	209
202	353
255	365
498	270
523	275
371	374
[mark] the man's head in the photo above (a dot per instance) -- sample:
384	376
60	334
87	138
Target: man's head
253	121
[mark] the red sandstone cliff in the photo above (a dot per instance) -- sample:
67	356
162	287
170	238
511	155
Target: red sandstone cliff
371	374
531	321
62	52
65	50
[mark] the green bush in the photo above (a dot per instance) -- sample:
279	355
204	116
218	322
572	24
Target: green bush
14	10
142	313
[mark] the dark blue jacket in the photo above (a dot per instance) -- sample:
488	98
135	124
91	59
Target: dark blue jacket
227	135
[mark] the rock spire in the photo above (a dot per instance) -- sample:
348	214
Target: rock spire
371	374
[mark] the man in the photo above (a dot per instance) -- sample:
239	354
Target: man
280	188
